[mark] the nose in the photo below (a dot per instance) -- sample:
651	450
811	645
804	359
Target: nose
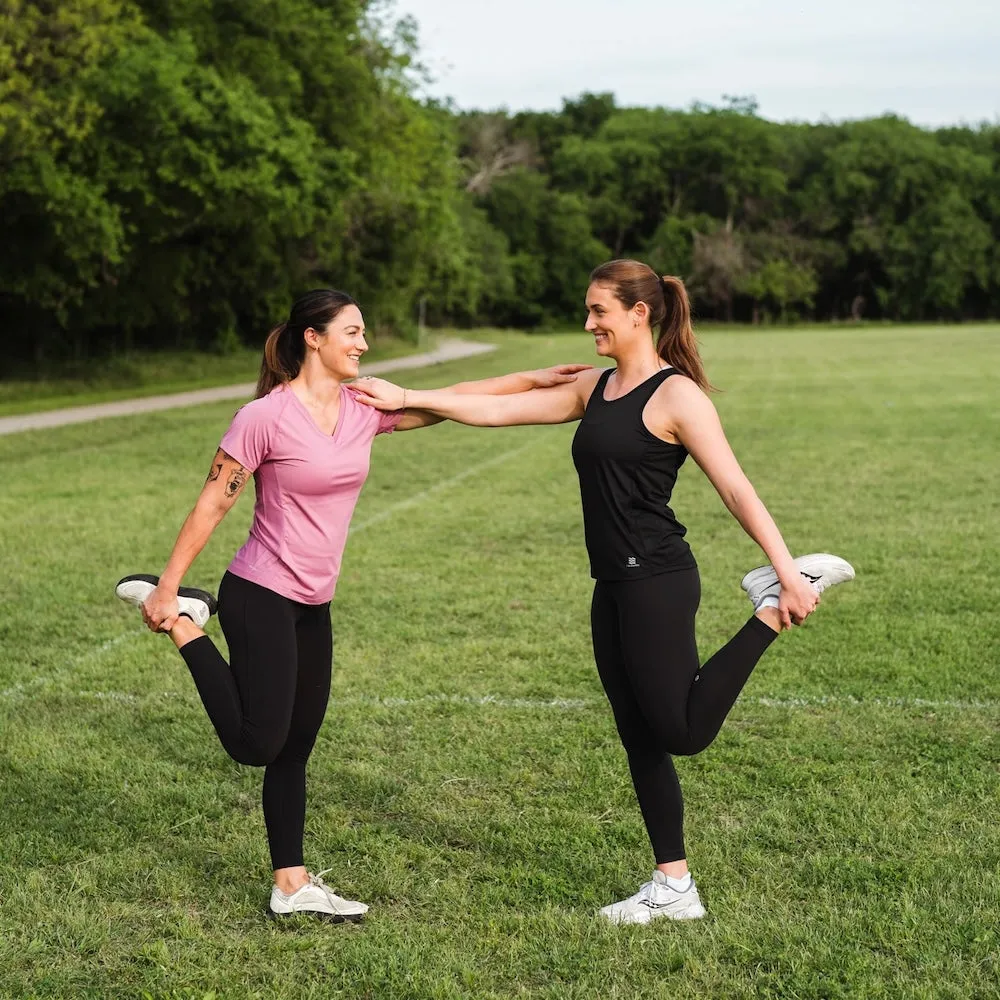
364	345
590	326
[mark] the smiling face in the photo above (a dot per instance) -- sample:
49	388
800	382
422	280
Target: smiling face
340	346
614	327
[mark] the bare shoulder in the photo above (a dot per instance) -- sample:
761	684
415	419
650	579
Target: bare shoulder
680	394
676	406
586	383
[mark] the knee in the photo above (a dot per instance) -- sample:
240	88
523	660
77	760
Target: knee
677	741
256	752
679	735
683	746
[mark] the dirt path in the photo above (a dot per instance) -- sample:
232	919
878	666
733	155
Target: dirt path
449	350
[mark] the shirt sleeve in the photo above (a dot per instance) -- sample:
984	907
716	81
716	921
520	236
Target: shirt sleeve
248	439
388	421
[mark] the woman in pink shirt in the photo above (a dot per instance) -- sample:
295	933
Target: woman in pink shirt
306	440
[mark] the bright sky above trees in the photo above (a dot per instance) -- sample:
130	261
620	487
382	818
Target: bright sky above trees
935	63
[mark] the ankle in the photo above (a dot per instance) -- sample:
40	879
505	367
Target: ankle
290	880
771	617
674	869
184	631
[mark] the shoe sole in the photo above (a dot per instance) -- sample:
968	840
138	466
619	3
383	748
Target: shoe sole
192	592
329	918
691	913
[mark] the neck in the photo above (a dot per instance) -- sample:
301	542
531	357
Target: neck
315	384
639	363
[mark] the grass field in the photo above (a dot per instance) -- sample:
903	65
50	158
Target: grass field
468	782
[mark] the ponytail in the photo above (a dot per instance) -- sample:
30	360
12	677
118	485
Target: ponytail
278	364
285	347
676	343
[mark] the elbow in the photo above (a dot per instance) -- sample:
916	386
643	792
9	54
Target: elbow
740	498
211	511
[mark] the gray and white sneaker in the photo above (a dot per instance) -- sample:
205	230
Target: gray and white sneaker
821	569
198	605
656	898
317	899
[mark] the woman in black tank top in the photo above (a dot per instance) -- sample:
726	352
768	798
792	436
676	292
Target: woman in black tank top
638	423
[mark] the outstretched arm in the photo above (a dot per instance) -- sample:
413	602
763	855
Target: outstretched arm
502	385
553	405
696	424
222	489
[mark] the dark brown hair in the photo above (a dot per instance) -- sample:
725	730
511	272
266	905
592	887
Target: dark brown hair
669	309
285	347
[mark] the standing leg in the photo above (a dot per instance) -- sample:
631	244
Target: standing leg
284	793
671	892
653	772
295	890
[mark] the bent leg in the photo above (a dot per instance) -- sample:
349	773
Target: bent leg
684	704
284	794
250	699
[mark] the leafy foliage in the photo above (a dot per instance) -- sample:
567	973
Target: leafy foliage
175	171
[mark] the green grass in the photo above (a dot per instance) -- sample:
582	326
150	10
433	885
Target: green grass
468	781
150	374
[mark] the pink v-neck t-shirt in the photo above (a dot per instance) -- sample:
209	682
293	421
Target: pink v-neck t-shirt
307	485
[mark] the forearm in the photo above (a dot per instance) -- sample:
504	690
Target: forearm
481	410
756	521
502	385
192	538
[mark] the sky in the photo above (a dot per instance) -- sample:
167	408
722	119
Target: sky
936	63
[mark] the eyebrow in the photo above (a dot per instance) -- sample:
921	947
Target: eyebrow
353	326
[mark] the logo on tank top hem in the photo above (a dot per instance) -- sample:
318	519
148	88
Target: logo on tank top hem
632	563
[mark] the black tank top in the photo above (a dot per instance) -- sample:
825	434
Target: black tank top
626	477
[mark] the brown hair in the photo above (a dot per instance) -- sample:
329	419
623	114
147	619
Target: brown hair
285	348
669	309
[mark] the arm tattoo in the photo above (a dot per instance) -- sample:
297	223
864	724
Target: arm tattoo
220	459
237	480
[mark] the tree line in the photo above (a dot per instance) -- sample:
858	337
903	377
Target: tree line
174	172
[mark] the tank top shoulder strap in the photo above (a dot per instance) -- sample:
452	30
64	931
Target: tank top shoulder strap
644	393
597	396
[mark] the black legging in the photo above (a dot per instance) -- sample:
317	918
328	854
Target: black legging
268	703
664	704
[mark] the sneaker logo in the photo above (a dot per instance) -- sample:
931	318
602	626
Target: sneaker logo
810	577
633	563
661	906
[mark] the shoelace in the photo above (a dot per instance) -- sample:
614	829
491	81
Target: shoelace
317	880
645	892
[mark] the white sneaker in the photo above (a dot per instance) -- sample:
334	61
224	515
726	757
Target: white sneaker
656	898
317	899
198	605
821	569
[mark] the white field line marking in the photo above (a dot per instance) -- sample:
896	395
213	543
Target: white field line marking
41	688
418	498
48	682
